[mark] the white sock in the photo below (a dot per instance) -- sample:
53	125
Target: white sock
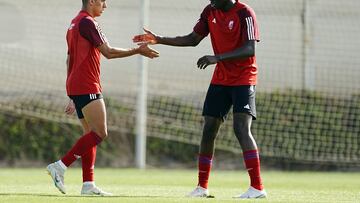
62	165
89	183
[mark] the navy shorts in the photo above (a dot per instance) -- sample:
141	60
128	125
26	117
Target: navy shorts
81	101
219	100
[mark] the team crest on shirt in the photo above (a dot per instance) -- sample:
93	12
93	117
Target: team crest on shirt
231	25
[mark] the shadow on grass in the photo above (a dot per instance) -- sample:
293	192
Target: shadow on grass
82	196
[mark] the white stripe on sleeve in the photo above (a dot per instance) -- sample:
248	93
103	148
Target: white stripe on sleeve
250	28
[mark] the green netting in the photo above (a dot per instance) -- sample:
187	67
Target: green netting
308	91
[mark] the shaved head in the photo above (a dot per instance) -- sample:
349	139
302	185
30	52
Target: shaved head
94	7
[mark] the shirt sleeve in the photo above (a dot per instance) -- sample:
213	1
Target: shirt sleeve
201	26
92	32
249	26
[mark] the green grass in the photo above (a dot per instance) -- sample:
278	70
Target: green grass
131	185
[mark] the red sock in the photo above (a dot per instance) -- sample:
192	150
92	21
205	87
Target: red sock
252	164
84	144
88	163
204	166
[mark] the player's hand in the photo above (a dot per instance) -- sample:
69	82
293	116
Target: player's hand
70	108
148	38
204	61
145	50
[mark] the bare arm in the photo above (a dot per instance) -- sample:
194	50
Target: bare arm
192	39
113	52
245	51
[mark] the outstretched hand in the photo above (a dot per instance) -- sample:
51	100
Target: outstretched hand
145	50
205	61
148	38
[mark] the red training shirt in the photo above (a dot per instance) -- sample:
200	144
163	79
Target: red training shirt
83	37
229	30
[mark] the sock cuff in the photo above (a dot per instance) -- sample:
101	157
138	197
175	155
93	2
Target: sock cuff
98	139
251	154
62	165
253	151
205	159
89	183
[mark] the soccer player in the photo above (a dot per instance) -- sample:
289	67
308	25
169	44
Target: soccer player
86	42
234	32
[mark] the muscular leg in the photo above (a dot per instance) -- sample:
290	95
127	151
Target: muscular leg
95	117
94	120
210	130
85	147
85	126
88	159
242	128
207	148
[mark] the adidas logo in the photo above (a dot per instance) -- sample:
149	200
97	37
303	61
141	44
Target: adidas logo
214	21
247	106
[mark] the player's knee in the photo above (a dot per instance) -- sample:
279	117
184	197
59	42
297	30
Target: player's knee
242	125
102	133
241	130
209	133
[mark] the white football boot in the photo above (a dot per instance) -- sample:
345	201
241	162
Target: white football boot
199	192
252	193
57	174
93	190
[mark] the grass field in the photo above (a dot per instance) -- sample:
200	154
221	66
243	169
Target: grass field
131	185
